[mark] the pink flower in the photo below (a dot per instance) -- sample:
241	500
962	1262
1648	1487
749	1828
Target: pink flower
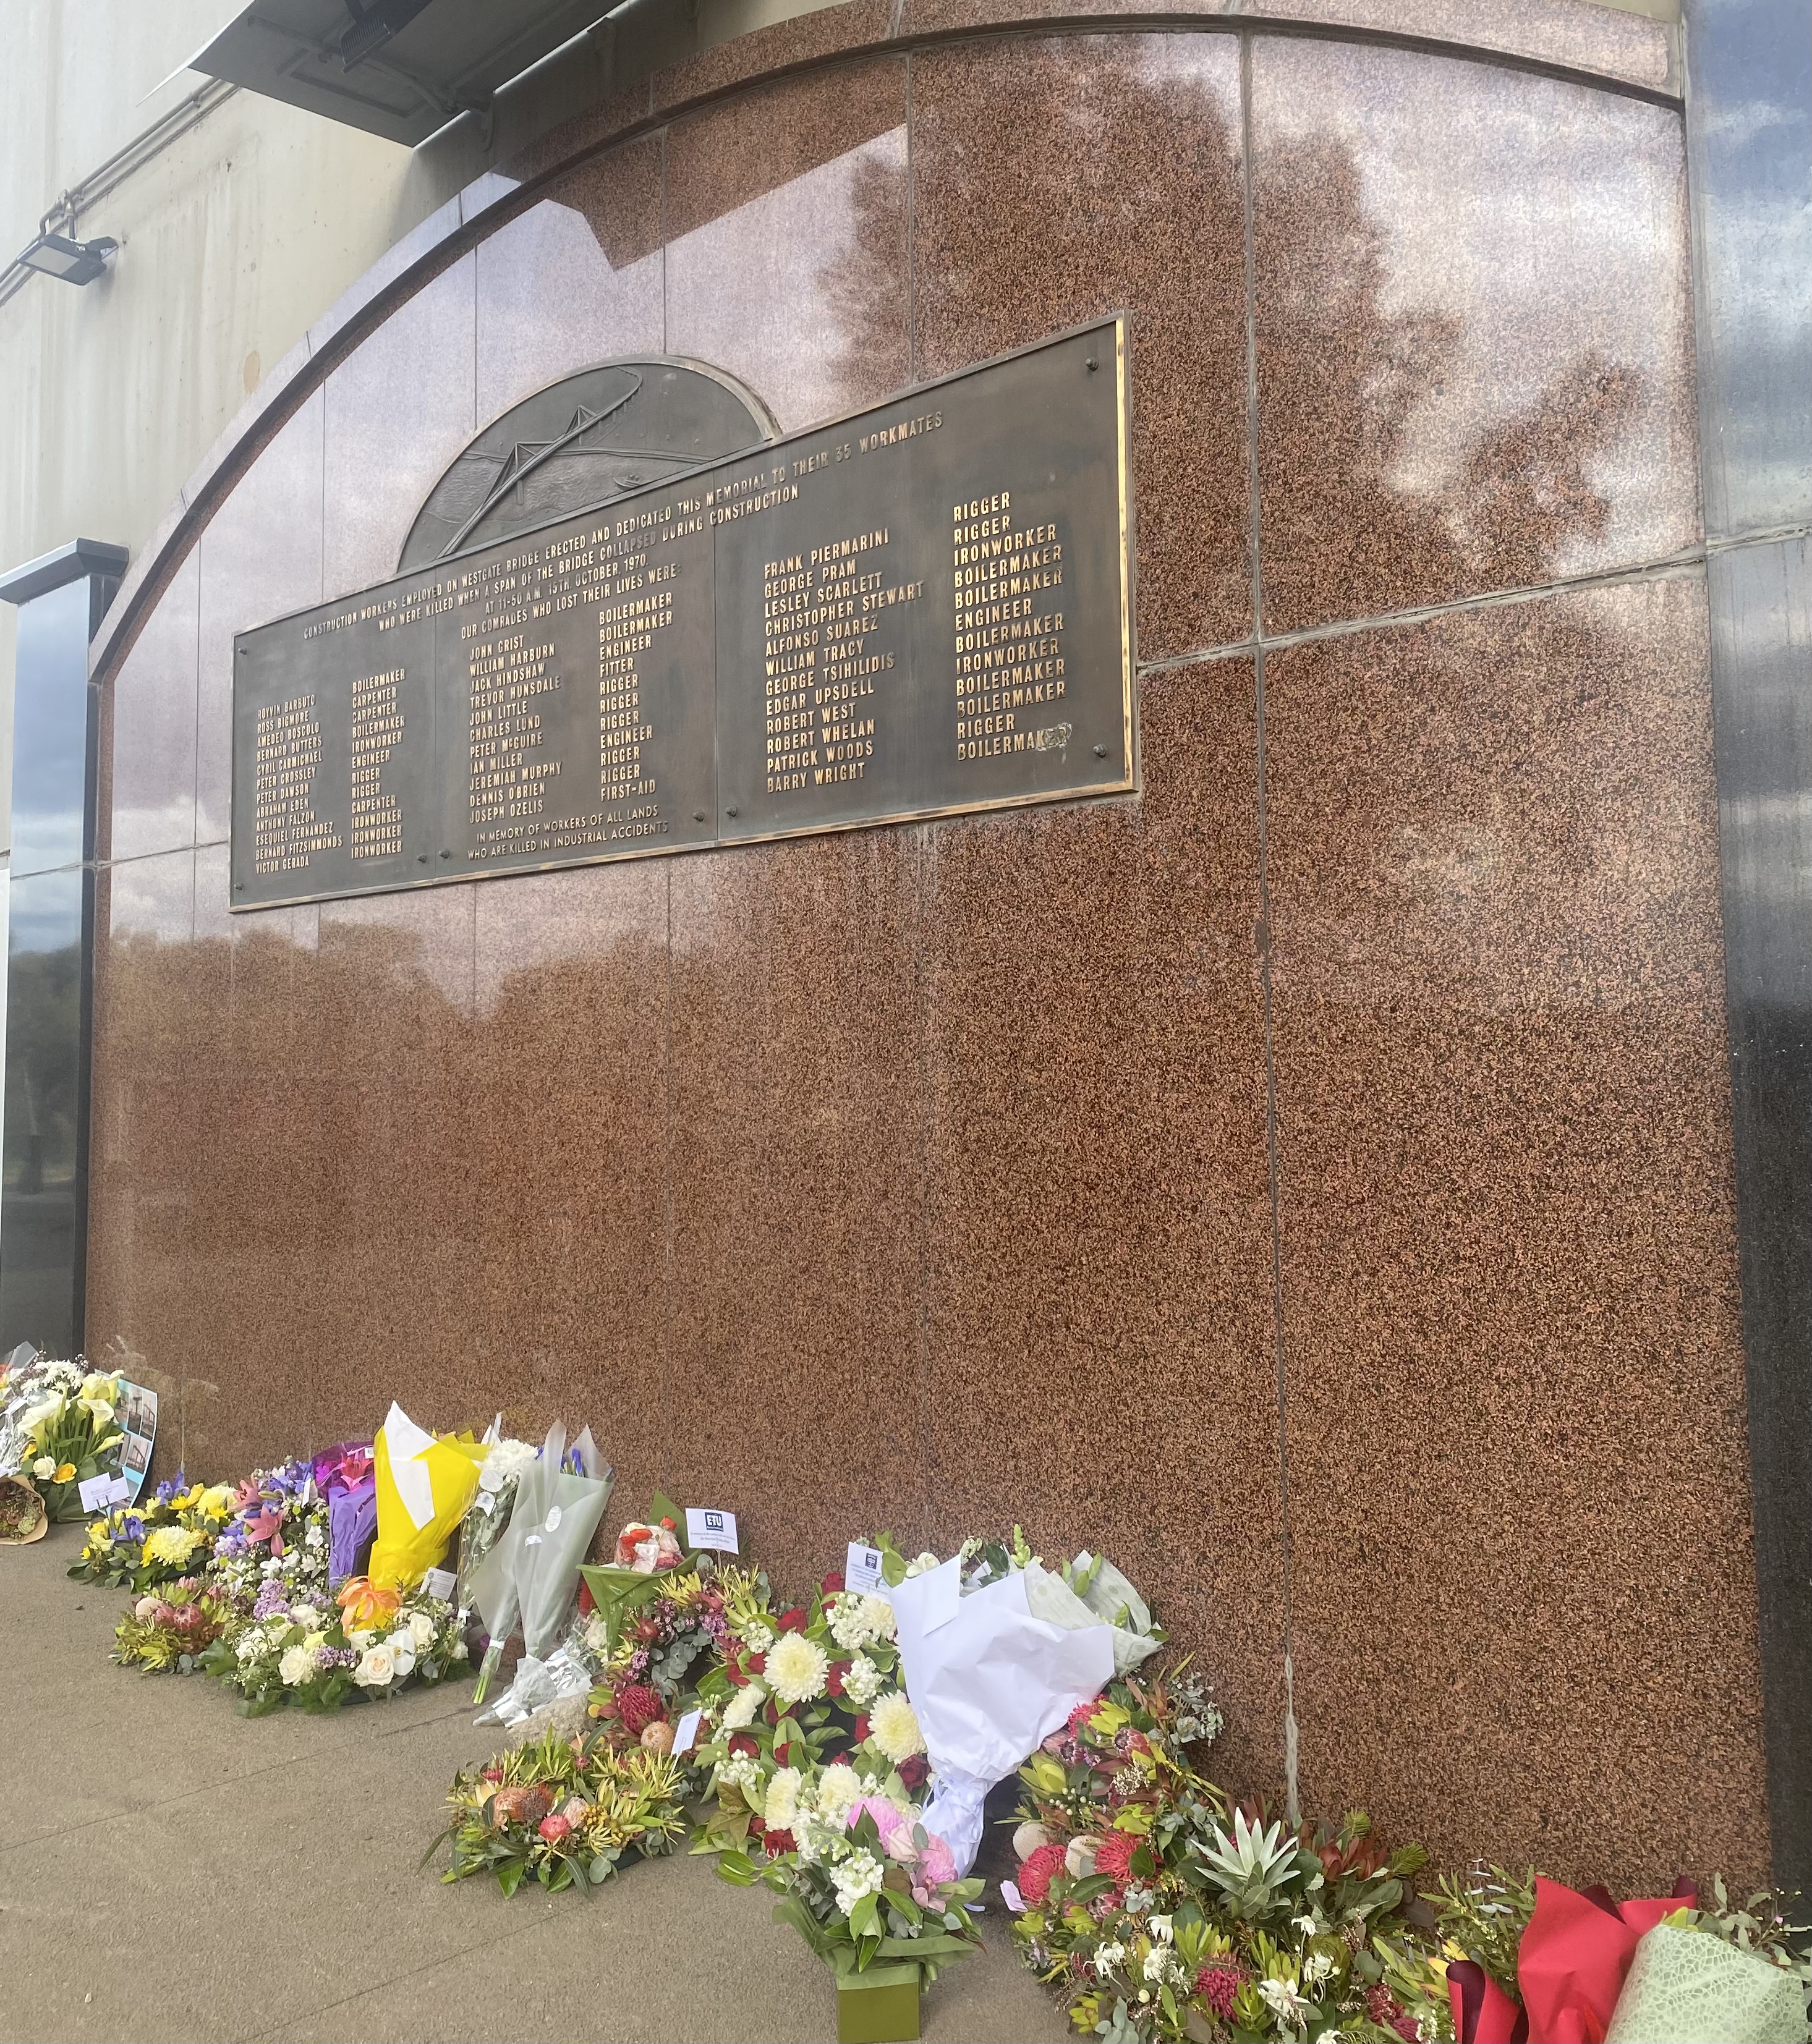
887	1822
554	1828
936	1864
1218	1984
1036	1870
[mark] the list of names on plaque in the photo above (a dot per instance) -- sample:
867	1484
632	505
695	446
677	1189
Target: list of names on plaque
919	612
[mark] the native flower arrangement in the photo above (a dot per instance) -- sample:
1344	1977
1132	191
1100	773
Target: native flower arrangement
1159	1914
171	1536
65	1433
566	1812
299	1648
169	1629
643	1680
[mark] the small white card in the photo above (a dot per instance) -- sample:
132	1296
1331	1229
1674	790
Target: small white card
438	1583
686	1732
712	1529
98	1492
862	1571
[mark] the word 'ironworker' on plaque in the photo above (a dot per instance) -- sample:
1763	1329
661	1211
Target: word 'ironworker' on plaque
918	611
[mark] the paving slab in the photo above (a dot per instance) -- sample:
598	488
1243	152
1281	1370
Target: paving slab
169	1870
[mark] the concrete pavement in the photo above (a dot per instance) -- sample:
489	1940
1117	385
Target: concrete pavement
171	1870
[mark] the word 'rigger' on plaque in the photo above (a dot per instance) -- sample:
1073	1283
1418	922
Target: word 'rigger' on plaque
919	611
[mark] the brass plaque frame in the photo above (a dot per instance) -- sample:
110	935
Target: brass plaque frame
921	609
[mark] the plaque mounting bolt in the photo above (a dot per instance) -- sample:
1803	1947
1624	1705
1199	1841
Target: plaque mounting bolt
730	813
1093	363
422	858
446	854
697	816
1101	752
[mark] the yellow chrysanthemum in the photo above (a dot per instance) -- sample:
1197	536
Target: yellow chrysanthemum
172	1545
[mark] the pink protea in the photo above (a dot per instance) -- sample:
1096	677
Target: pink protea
1219	1984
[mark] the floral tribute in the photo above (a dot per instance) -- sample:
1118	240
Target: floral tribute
811	1690
171	1536
168	1629
565	1812
302	1648
1159	1914
60	1432
278	1533
642	1684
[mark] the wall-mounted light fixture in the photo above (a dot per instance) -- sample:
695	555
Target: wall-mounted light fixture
74	262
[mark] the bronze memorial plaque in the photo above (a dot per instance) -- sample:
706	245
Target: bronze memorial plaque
919	611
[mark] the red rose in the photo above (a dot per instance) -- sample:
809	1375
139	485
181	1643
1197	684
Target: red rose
780	1842
1034	1878
735	1674
832	1583
859	1730
757	1829
755	1663
915	1770
772	1713
783	1754
669	1525
741	1742
833	1677
554	1828
791	1621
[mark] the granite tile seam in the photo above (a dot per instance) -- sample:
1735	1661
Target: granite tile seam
1255	502
454	229
1688	564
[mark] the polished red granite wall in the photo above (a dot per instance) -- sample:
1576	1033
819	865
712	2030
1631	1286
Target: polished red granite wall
1310	1177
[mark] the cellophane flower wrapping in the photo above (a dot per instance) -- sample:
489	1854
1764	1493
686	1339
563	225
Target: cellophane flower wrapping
530	1576
426	1485
346	1476
499	1478
1687	1984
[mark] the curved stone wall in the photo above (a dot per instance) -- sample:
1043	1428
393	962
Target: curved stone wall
1310	1177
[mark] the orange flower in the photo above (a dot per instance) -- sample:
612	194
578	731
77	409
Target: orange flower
364	1606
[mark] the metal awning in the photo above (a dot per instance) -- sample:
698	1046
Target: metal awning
398	68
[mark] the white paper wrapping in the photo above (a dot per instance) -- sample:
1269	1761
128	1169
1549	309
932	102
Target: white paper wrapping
990	1681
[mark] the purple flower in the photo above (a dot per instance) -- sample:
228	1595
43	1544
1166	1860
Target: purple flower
272	1600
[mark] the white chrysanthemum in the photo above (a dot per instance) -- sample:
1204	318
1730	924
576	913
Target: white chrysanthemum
863	1682
856	1619
859	1875
782	1807
505	1462
757	1637
893	1725
839	1791
796	1668
740	1709
297	1665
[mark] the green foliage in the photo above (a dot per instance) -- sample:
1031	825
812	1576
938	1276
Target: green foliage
1485	1913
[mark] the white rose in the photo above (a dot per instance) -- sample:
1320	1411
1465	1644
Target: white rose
376	1668
422	1631
45	1466
297	1665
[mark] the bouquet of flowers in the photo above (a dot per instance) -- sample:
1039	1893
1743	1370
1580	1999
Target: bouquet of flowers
645	1667
171	1536
297	1649
567	1813
60	1429
498	1478
794	1692
1532	1957
278	1532
167	1630
1159	1919
22	1516
861	1880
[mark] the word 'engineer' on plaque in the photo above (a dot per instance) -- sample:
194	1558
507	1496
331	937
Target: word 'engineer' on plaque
919	611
